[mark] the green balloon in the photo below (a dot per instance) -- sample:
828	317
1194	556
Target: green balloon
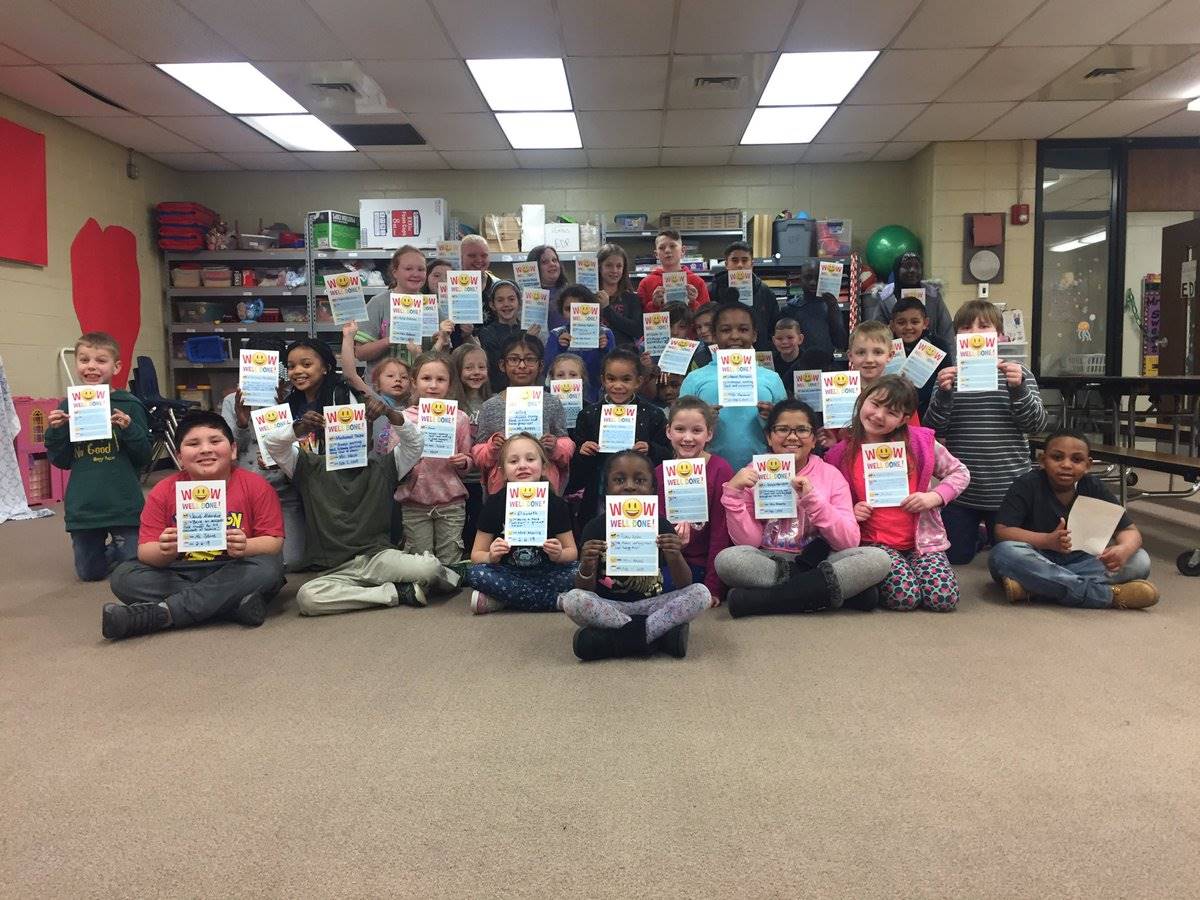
887	245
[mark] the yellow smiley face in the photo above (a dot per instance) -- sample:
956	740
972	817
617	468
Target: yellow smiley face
88	394
342	281
841	379
632	508
406	302
619	412
259	358
526	492
884	453
684	469
345	415
438	408
200	494
774	465
976	341
808	378
931	351
271	416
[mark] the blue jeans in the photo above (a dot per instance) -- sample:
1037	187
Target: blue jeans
962	530
94	558
1071	579
528	589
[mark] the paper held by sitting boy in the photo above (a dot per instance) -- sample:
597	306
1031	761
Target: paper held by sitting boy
1092	523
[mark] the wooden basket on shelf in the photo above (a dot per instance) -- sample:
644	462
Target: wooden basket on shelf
701	219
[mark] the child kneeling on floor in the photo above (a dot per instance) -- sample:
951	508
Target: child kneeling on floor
164	589
632	615
521	577
348	518
1034	557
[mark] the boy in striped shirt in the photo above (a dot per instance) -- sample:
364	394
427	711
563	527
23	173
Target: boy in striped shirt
988	431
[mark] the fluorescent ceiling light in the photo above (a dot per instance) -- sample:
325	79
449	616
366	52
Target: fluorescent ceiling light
299	133
811	79
1067	245
237	88
540	130
1095	238
1194	106
521	85
786	124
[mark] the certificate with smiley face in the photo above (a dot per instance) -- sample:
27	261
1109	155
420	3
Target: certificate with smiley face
922	363
268	421
685	488
656	327
896	363
90	412
885	471
438	424
774	496
526	508
200	515
464	295
737	378
345	437
677	356
618	427
631	531
258	376
405	321
978	361
345	294
839	393
535	308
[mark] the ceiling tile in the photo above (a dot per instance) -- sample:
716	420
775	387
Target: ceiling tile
303	81
338	162
848	24
767	155
480	159
1013	73
142	88
44	32
47	90
852	124
1181	124
10	57
912	76
428	85
835	153
620	129
900	150
196	162
953	121
156	30
696	156
963	23
399	29
1136	67
505	28
1062	22
269	162
1176	22
615	26
632	159
140	134
715	128
270	29
407	159
710	26
461	131
1119	118
1037	119
1180	83
617	82
752	70
552	159
219	133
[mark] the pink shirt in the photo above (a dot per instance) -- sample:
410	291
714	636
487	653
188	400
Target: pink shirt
436	482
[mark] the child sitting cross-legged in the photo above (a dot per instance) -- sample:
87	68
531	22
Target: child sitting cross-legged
1034	557
167	589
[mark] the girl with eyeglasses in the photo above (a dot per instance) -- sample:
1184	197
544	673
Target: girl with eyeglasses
806	563
521	362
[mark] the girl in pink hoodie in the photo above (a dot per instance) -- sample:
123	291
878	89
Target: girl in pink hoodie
911	533
805	563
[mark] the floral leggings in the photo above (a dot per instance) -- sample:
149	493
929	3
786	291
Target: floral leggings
919	579
662	613
528	589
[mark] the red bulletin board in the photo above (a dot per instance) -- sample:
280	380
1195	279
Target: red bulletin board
23	189
106	287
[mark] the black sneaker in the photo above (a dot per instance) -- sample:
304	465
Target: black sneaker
411	594
251	611
119	621
674	642
460	569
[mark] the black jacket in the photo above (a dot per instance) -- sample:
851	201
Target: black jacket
820	320
765	310
624	316
586	470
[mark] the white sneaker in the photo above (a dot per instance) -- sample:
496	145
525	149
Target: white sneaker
482	604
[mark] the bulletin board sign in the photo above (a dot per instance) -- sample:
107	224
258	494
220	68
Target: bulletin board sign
23	187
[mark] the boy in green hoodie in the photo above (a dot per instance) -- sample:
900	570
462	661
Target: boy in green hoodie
104	495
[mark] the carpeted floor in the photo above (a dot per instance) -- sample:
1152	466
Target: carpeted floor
995	751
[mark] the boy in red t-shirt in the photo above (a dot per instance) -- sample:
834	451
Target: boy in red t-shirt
166	589
668	248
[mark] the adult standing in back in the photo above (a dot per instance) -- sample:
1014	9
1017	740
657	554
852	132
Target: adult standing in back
908	274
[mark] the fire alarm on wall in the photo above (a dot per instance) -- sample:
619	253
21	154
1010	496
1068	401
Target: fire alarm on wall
1020	213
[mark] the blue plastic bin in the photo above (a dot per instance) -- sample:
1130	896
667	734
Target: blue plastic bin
208	348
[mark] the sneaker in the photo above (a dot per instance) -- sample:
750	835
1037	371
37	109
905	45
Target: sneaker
118	621
1013	591
251	611
411	594
482	604
674	642
460	569
1134	595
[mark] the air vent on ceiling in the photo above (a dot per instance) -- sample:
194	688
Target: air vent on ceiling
380	135
93	94
717	82
1109	72
341	87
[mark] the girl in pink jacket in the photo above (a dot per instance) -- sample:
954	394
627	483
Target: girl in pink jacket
805	563
908	527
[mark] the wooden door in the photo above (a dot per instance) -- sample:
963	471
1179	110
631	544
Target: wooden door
1179	243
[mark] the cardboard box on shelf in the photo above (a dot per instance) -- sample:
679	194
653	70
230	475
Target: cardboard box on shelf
387	224
533	225
563	236
761	235
502	231
333	230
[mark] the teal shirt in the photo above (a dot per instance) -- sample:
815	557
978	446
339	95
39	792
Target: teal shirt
739	428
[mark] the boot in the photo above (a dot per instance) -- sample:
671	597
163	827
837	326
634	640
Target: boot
674	642
865	601
119	621
609	643
806	590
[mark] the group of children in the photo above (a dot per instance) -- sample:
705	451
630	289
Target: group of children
406	526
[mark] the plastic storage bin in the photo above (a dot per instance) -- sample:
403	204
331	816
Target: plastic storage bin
205	349
793	238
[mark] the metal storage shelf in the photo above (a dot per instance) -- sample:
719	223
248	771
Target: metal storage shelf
272	256
300	293
236	327
696	233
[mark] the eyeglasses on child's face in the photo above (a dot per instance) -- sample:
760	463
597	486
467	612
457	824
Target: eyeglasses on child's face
786	430
521	360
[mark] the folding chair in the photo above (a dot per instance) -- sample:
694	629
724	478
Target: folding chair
163	414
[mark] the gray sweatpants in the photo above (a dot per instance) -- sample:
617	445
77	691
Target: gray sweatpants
198	591
855	569
369	581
